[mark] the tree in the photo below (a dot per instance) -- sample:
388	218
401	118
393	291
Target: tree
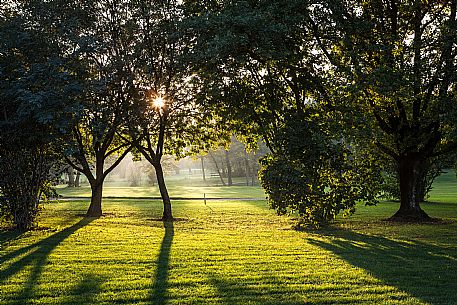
398	58
109	95
169	120
388	67
241	163
36	91
261	73
217	165
317	177
435	167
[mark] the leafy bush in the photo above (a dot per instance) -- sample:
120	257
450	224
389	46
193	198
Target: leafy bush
23	184
314	174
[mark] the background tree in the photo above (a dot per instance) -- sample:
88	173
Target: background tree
241	162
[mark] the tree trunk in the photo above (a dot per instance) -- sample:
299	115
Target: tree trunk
247	167
77	182
229	169
410	170
203	169
95	208
217	168
71	177
167	215
422	187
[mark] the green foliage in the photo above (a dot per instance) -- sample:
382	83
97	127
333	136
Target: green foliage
23	184
406	86
36	90
389	67
314	173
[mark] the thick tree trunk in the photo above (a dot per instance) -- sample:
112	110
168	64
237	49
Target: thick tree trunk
229	169
410	170
167	214
422	187
95	208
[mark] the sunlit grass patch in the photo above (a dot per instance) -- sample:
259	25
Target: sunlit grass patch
226	252
177	187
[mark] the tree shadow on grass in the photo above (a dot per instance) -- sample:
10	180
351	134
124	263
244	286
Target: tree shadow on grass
85	292
159	288
241	291
35	255
424	271
6	236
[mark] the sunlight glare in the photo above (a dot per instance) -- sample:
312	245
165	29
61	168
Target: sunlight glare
159	102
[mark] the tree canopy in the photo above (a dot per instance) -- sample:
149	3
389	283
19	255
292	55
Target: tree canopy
383	71
345	94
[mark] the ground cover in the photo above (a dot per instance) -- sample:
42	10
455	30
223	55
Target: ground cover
229	252
183	187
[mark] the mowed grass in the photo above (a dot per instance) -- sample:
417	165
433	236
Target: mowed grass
228	252
178	186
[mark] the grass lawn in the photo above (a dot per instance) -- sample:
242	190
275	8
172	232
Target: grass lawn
180	186
230	252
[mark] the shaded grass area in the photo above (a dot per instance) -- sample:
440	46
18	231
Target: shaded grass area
229	252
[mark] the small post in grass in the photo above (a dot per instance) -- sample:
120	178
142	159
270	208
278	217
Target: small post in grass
204	198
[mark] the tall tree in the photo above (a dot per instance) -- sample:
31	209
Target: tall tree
36	93
399	60
385	69
106	49
261	72
169	119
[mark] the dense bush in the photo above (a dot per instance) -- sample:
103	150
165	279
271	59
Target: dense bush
315	175
23	184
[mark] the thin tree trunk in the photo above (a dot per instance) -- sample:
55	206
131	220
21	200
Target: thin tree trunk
77	178
203	169
229	168
167	214
217	168
71	177
95	208
248	168
410	170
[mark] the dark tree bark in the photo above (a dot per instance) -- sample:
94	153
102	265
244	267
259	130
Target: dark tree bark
422	184
96	185
154	153
410	169
102	152
167	214
95	207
